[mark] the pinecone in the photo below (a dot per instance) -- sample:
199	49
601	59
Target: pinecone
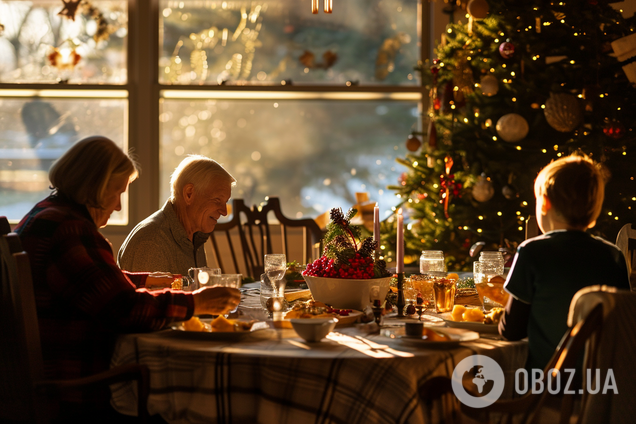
337	217
368	247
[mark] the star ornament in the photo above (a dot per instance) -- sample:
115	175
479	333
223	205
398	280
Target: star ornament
70	9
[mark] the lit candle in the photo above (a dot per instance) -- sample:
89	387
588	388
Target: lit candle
400	243
376	230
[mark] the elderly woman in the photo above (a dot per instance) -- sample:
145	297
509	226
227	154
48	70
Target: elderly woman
83	299
172	239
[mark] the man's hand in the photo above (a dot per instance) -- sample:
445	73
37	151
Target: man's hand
215	300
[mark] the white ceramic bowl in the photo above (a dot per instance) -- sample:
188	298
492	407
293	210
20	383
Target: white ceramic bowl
313	329
344	293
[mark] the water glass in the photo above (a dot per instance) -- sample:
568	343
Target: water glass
275	290
432	261
200	277
227	280
275	265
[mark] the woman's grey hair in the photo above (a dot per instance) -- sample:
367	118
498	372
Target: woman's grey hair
200	171
83	172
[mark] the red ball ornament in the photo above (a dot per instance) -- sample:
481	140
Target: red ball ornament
506	49
413	143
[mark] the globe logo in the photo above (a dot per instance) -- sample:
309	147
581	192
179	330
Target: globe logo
483	376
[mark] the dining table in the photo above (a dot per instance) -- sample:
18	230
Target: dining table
357	374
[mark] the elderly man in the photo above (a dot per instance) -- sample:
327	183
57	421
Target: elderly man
172	239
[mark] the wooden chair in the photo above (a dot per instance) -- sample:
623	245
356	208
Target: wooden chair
532	227
529	407
626	241
249	235
613	351
24	393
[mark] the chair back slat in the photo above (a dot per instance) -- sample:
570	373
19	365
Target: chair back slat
249	235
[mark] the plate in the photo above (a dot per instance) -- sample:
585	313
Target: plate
260	330
474	326
456	335
342	320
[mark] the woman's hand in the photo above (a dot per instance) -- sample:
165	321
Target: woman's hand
159	280
215	300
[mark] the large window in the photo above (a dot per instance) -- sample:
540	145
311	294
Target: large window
310	108
44	55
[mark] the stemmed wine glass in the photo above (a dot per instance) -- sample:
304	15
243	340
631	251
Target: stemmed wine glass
275	267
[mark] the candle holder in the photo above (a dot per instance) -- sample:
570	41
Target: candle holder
377	311
420	307
401	302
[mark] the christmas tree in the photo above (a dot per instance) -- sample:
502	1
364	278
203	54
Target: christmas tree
514	86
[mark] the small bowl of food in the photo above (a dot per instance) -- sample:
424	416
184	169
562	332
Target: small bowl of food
313	329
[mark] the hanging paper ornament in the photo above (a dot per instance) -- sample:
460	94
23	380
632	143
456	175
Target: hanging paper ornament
512	127
478	9
70	9
625	50
489	85
413	143
614	129
506	49
432	136
483	189
563	112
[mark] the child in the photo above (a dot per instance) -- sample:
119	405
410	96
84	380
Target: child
549	269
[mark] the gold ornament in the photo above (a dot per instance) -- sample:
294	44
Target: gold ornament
483	189
478	9
489	85
70	9
512	127
563	112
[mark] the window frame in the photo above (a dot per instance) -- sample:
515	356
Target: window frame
144	92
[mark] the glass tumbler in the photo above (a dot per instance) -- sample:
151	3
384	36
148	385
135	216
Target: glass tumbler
227	280
444	291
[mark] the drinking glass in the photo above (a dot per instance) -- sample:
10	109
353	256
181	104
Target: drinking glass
275	265
444	291
200	277
273	294
227	280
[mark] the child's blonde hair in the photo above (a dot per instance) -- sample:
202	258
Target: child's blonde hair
575	187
